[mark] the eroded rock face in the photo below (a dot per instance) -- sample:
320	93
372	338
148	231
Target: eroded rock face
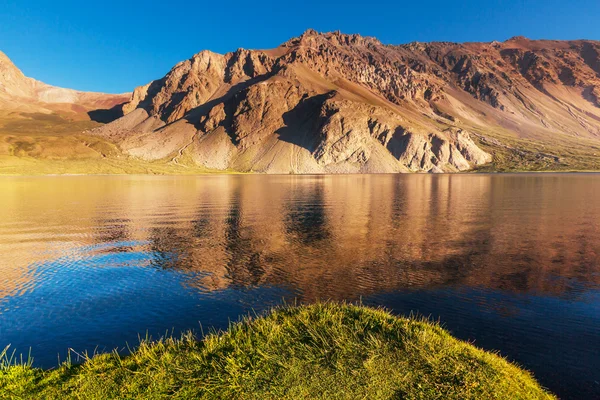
259	111
344	135
345	103
193	82
365	61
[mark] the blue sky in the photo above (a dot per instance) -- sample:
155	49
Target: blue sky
113	46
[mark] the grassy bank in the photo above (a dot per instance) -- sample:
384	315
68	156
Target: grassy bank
322	351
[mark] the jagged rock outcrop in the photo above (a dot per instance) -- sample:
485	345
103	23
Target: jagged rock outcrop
345	103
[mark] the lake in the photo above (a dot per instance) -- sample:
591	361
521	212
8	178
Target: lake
508	262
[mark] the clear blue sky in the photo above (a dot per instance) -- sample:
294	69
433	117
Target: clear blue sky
113	46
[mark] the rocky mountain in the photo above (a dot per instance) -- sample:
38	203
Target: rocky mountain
331	102
324	103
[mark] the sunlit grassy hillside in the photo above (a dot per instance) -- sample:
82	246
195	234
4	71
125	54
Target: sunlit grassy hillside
324	351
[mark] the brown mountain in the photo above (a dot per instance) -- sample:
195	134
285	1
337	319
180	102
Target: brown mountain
331	103
345	103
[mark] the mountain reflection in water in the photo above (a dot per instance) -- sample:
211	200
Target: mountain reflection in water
511	262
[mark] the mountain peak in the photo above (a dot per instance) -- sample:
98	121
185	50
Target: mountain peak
312	38
4	59
6	66
309	32
12	80
519	38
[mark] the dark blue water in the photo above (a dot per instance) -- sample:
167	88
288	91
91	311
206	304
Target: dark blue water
509	262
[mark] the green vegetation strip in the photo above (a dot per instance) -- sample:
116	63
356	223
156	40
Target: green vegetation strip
326	351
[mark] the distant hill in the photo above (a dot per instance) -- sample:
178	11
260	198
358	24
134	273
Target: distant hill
41	126
21	94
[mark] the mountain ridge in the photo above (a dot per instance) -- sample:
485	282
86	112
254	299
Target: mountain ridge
417	107
339	103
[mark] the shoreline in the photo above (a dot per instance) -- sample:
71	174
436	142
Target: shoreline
324	350
225	173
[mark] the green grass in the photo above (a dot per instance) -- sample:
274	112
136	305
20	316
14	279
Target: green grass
322	351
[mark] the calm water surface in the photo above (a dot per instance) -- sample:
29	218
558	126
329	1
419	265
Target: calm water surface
509	262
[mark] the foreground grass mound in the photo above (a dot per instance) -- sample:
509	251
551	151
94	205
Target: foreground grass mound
324	351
